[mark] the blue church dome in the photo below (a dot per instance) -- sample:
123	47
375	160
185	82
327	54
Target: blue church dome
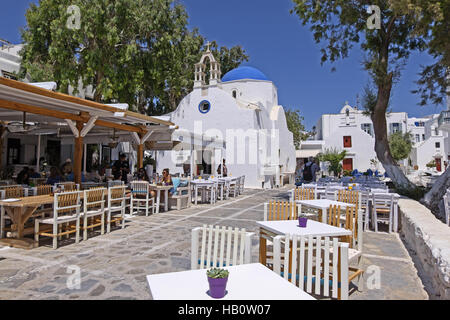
242	73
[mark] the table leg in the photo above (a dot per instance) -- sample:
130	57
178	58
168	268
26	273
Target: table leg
262	250
221	191
196	194
323	214
158	199
166	200
395	218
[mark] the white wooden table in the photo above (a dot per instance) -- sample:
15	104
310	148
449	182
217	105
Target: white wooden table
270	229
158	190
245	282
202	185
228	181
221	185
323	205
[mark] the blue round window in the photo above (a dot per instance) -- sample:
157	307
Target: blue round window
204	106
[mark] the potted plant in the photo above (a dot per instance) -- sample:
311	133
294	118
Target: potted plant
217	279
302	221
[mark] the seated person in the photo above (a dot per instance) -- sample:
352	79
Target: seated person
34	174
55	176
141	175
166	181
24	176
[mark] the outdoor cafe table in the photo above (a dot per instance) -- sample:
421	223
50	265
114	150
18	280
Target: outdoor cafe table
228	181
220	183
158	190
323	205
20	211
245	282
270	229
201	184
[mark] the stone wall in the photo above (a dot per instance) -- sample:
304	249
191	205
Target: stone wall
428	241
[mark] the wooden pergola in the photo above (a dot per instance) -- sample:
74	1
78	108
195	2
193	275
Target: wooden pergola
20	101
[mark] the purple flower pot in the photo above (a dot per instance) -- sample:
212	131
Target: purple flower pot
217	287
302	222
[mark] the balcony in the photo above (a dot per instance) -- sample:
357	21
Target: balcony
444	121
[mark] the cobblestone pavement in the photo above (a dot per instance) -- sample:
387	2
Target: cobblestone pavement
115	265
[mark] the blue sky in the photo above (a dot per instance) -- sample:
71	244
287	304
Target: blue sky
280	47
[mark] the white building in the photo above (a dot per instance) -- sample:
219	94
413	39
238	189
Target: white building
242	109
10	60
353	131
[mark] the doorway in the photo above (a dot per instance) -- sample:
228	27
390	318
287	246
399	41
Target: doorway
438	164
53	152
13	153
348	164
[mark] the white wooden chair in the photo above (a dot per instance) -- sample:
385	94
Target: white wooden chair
242	184
280	210
220	247
383	206
317	265
140	197
183	194
302	193
116	207
66	210
447	207
93	206
233	188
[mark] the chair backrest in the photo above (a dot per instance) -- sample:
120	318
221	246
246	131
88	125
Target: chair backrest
219	247
312	263
66	203
115	183
44	189
140	188
94	199
303	194
383	201
68	186
14	192
280	210
447	207
116	196
348	196
352	222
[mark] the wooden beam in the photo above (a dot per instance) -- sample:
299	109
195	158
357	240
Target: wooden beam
83	102
2	131
78	155
140	153
119	126
10	105
5	104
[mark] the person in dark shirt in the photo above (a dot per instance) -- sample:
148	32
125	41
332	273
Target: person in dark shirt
24	176
224	172
34	174
141	175
55	176
123	167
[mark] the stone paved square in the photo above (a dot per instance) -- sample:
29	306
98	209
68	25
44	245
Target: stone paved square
115	266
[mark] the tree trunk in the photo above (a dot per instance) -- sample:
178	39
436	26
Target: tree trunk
382	148
433	199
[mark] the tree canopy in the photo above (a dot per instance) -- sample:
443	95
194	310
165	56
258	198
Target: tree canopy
401	145
387	31
139	52
295	125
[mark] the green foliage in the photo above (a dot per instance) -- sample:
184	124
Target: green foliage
139	52
217	273
148	160
295	125
431	164
400	145
334	157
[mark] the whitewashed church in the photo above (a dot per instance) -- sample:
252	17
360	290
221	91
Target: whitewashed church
241	109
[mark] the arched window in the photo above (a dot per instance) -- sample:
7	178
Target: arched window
347	112
234	94
204	106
